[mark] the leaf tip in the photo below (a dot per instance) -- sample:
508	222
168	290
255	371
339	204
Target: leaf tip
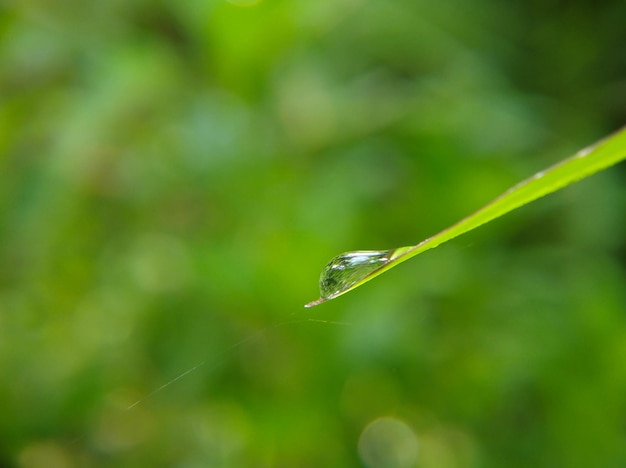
315	303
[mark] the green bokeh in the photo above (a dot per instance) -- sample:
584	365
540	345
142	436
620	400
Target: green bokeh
174	176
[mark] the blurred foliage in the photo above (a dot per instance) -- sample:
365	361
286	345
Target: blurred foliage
173	176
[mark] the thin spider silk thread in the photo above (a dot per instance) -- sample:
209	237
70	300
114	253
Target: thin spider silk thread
226	350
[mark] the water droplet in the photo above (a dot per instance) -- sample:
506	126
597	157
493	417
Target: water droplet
348	269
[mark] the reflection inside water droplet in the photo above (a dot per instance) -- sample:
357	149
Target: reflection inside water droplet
347	269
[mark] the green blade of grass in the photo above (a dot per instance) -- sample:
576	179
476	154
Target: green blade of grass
350	270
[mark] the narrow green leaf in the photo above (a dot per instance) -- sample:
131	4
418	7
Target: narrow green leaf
350	270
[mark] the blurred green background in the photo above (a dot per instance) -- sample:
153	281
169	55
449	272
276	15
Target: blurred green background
175	174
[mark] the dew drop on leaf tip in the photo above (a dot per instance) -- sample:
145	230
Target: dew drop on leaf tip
346	270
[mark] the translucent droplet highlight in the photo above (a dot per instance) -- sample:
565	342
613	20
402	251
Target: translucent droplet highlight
348	269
